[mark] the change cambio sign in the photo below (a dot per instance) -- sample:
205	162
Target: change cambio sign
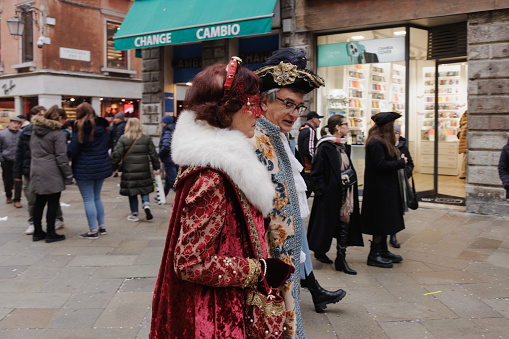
203	33
195	34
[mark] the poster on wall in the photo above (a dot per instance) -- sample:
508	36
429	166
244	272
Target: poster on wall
169	103
362	52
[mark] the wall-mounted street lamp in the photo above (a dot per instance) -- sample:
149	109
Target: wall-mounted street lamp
17	26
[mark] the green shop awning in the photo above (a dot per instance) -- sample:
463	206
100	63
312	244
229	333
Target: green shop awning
152	23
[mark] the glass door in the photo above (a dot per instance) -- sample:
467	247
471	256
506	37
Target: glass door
444	100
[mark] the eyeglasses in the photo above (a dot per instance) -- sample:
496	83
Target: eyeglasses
290	106
345	123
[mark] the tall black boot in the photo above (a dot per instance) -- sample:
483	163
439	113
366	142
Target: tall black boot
376	259
52	236
320	296
384	252
340	264
394	241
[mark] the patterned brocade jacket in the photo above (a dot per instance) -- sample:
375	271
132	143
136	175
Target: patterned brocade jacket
285	230
210	260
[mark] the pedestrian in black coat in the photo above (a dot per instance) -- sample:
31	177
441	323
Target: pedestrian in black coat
335	211
402	145
117	129
382	205
503	168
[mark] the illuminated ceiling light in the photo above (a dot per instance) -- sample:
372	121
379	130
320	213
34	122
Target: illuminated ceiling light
72	99
357	37
400	33
189	84
123	100
101	99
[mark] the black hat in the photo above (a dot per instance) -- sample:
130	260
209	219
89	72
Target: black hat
384	117
287	68
312	115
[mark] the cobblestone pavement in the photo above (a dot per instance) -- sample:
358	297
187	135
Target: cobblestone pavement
453	283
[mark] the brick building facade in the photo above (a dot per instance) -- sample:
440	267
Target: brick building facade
65	56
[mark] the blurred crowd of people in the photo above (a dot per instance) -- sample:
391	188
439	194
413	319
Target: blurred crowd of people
42	153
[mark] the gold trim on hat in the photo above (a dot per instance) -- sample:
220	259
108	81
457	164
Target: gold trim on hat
286	73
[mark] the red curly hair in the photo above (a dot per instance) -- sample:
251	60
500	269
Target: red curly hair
207	98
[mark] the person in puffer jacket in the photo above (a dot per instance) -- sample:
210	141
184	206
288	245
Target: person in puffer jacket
91	164
49	170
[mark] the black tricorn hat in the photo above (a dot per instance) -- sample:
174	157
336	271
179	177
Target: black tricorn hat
384	117
287	68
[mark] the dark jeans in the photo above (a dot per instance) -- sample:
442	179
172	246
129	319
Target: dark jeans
31	200
170	170
133	202
9	182
53	201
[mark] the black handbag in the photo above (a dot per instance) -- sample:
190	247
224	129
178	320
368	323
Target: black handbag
348	178
411	196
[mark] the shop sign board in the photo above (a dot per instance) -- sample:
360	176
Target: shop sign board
196	34
74	54
362	52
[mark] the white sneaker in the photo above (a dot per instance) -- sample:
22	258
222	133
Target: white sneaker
59	224
133	218
30	230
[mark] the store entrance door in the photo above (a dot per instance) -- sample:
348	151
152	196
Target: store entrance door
444	100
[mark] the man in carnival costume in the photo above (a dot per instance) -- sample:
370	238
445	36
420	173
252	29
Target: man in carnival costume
285	82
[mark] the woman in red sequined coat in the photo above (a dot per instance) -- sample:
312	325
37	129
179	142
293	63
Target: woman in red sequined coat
216	234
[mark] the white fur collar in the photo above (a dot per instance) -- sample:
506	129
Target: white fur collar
196	143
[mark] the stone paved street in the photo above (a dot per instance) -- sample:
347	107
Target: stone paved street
453	283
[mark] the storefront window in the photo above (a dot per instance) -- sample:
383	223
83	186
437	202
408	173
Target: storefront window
69	104
114	59
6	111
364	74
112	106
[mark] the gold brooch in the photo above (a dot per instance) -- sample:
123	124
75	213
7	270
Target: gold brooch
284	73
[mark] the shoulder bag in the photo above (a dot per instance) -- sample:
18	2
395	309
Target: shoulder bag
348	178
411	196
119	168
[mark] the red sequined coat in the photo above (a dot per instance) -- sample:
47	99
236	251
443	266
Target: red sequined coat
208	257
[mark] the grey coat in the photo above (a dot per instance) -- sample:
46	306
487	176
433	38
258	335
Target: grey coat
8	142
49	168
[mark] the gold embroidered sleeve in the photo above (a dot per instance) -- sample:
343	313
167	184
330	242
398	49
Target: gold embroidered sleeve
253	274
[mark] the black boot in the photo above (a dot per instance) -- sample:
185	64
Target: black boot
323	258
320	296
394	242
376	259
340	264
384	252
38	234
52	236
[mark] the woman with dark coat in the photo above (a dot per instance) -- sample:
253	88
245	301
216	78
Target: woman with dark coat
402	145
136	151
503	168
382	205
91	164
335	211
49	170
